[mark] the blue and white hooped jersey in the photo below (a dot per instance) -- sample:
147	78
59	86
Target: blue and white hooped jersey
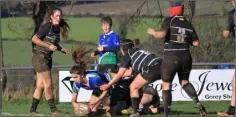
95	80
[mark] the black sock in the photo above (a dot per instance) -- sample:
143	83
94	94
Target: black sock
34	105
52	105
167	100
140	111
92	114
135	103
190	90
231	110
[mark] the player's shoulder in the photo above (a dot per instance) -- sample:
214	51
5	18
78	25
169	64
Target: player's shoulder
231	12
168	19
113	33
46	25
91	73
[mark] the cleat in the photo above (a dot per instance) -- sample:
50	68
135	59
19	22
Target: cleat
135	115
127	111
229	113
201	110
35	113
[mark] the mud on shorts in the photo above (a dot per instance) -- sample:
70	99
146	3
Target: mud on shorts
153	72
41	61
176	62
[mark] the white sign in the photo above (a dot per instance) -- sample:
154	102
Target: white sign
65	89
210	84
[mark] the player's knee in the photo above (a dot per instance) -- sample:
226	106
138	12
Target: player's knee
150	90
133	87
40	87
166	86
184	82
48	86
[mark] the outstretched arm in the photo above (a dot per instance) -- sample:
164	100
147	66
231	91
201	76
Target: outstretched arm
74	102
114	80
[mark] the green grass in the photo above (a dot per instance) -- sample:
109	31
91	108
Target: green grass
82	29
17	32
17	36
179	109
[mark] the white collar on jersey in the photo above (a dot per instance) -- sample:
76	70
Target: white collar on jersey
108	33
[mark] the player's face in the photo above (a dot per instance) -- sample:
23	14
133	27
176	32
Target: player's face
56	17
106	28
234	2
76	77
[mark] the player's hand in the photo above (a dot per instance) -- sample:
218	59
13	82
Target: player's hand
196	43
100	48
66	51
52	47
92	104
234	60
104	87
92	55
151	31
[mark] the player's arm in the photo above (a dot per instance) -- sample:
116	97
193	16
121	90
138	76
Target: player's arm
61	49
195	39
74	102
102	96
115	47
125	64
163	31
38	37
96	52
229	25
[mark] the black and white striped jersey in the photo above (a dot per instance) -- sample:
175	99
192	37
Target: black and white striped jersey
139	60
179	33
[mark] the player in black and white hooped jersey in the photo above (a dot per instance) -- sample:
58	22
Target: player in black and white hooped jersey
146	64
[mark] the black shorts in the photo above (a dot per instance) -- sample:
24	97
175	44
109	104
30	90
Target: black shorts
107	68
151	91
97	92
176	62
152	72
41	61
122	87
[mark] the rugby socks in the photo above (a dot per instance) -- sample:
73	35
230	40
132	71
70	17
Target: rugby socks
34	105
167	100
135	103
190	90
52	105
92	114
231	110
140	111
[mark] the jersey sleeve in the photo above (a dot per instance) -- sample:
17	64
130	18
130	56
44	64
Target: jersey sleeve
229	24
165	25
126	61
115	43
75	89
43	30
194	35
